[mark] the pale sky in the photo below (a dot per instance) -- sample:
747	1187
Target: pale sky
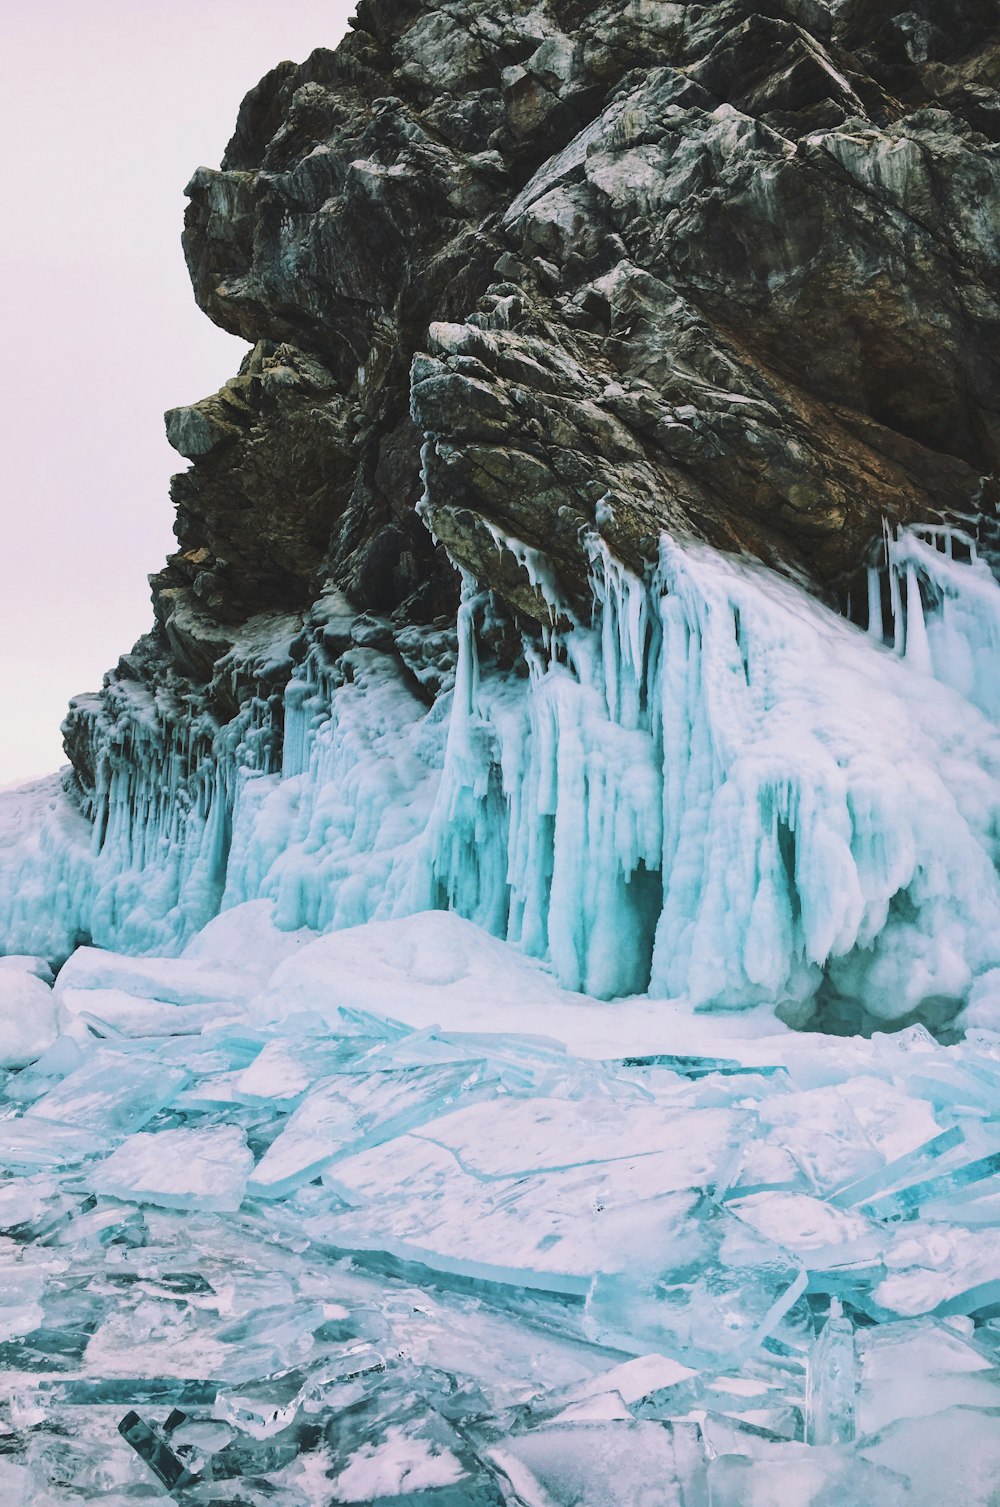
106	109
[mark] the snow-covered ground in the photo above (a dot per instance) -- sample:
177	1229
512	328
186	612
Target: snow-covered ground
388	1215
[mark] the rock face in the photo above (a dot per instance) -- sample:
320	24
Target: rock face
731	270
523	274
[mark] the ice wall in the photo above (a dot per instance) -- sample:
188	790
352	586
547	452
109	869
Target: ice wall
725	791
717	788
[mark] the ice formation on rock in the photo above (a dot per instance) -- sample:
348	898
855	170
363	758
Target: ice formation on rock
717	789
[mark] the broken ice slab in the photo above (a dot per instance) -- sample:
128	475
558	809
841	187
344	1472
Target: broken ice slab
521	1063
763	1167
152	1447
111	1093
27	1144
950	1084
795	1475
62	1057
908	1201
894	1120
98	1226
648	1383
823	1237
305	1147
951	1456
49	1394
725	1434
447	1334
822	1131
349	1111
168	1349
417	1201
917	1368
941	1269
973	1205
915	1161
760	1400
687	1066
400	1450
832	1381
341	1377
27	1201
704	1287
508	1137
22	1284
112	1012
285	1069
593	1464
262	1408
185	1168
270	1404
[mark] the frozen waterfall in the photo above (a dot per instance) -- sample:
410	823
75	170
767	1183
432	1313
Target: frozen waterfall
717	788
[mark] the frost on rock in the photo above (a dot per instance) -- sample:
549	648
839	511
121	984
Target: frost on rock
330	1251
717	789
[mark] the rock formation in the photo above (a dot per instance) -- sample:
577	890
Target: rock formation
732	270
525	280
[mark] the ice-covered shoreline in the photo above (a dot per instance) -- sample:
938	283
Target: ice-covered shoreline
390	1200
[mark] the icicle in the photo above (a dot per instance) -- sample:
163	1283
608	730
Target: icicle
895	597
918	653
876	627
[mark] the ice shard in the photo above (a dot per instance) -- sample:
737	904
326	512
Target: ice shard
831	1395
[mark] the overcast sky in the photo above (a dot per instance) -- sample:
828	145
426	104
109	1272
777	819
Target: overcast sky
106	108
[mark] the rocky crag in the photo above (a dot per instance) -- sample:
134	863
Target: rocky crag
731	270
525	280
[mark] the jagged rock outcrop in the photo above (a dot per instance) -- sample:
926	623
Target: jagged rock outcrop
533	270
731	270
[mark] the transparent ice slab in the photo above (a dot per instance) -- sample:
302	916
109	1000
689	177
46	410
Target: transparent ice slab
111	1093
942	1269
916	1369
805	1478
832	1381
179	1169
823	1236
703	1287
344	1113
34	1142
950	1456
589	1464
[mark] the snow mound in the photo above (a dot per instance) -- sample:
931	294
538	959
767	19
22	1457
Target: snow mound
28	1017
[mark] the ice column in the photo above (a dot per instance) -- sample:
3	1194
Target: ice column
832	1382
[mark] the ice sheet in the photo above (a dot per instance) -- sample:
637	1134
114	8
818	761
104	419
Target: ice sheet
382	1235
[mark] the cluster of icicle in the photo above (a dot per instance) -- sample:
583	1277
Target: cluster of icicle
724	791
717	788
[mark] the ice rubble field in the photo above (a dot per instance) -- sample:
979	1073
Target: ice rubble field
388	1215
